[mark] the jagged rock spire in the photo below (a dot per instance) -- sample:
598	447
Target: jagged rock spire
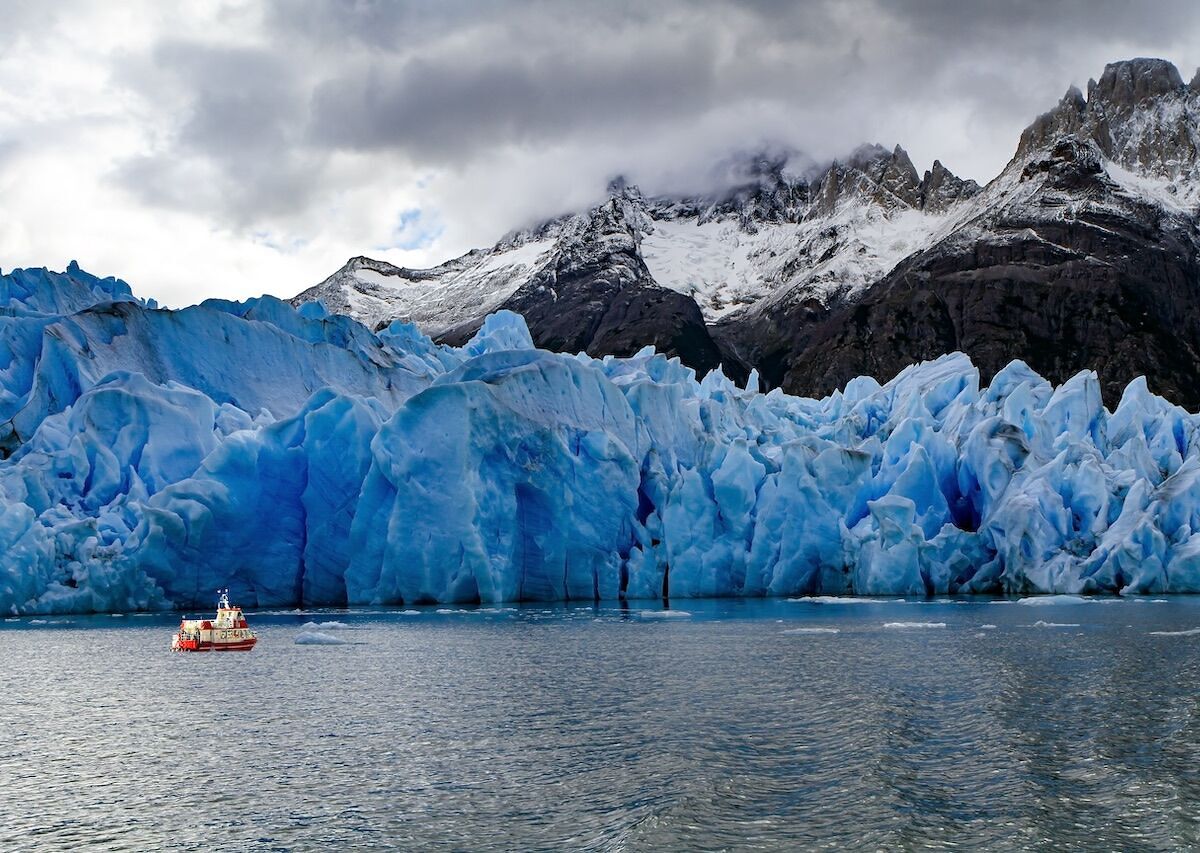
889	179
1139	115
1132	81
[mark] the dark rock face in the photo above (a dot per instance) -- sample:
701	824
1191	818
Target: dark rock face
596	295
1068	274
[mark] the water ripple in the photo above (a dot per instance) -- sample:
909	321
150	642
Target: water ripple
599	728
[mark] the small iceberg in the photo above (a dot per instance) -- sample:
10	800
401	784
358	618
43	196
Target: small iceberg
1044	600
1042	624
907	625
843	599
317	638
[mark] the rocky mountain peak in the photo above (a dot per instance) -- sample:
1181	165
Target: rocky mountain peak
1131	82
606	230
941	188
871	173
900	178
890	180
1065	119
594	293
1139	115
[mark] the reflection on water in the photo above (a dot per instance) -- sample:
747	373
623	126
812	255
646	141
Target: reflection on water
767	725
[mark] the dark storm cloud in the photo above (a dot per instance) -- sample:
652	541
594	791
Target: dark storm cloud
384	25
447	107
643	88
236	142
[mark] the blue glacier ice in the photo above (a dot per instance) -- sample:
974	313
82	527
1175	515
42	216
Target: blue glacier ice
150	456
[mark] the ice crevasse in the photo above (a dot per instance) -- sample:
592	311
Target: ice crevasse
151	456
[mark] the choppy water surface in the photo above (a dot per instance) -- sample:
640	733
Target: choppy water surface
757	725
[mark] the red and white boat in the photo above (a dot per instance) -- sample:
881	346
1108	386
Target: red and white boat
228	632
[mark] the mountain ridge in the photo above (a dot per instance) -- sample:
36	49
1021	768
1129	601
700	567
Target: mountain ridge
864	265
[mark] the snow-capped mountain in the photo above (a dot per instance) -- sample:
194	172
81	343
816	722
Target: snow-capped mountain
840	232
1081	253
772	235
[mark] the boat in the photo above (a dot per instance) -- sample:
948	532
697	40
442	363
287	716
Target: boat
228	632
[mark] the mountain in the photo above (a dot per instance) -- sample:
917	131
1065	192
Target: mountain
662	270
1082	254
593	292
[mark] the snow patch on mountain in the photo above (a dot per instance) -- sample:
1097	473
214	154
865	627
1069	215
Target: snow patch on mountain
724	268
1174	195
437	299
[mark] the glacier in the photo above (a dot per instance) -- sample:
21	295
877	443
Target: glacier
149	456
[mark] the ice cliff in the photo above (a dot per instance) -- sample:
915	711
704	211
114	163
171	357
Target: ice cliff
152	456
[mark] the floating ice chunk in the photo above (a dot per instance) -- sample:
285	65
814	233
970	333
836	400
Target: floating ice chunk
1192	632
324	626
318	638
844	599
1050	600
1042	624
811	631
906	625
663	614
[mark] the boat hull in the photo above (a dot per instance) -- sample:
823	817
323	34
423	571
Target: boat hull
180	645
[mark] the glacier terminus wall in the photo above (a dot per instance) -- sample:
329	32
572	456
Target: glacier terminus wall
151	456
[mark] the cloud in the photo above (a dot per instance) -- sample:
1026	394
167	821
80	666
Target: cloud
449	107
269	141
230	124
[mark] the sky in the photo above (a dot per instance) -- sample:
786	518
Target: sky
229	149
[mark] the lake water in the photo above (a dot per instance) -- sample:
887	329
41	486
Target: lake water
767	725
